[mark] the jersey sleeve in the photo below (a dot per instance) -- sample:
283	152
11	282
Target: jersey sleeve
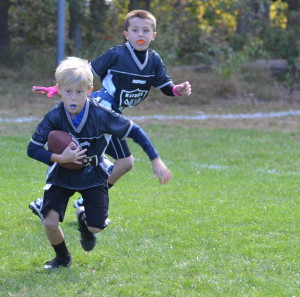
39	153
121	127
162	79
115	123
36	147
139	136
101	64
42	131
168	90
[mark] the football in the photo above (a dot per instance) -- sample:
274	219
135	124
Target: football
58	141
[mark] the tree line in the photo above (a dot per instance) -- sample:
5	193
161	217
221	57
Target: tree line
189	31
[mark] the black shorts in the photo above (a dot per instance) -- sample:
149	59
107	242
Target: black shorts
96	203
117	148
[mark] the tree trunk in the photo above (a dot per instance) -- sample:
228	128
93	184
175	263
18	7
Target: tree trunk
98	11
4	32
293	13
251	12
139	4
75	26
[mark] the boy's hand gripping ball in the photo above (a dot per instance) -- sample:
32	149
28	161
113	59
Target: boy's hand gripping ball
58	141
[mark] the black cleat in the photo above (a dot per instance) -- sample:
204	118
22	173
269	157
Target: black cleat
58	262
87	238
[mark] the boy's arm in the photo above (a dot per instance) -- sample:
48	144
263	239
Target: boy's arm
177	90
160	170
39	153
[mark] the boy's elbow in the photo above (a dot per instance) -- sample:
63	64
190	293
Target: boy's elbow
29	151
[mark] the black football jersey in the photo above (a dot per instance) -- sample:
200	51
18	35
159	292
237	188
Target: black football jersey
127	79
93	133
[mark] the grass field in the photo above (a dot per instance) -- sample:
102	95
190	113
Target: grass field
227	225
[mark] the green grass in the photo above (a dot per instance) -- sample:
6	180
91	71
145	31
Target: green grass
227	225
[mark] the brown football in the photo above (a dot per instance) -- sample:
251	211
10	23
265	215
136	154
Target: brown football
57	142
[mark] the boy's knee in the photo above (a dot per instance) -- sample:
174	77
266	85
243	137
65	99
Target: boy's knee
130	163
126	163
94	230
51	221
50	224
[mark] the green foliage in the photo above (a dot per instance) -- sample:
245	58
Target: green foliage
30	63
281	43
96	48
217	33
33	22
233	61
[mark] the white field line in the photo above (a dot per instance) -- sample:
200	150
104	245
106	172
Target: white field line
202	116
263	171
19	120
218	167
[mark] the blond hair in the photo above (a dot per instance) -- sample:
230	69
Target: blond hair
74	70
142	14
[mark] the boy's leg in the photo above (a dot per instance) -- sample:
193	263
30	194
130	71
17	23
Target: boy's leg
52	228
87	238
121	166
92	218
53	210
119	150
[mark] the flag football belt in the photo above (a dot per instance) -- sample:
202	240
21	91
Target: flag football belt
105	99
90	162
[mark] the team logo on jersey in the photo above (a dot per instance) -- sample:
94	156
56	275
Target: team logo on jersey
132	98
139	81
85	144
